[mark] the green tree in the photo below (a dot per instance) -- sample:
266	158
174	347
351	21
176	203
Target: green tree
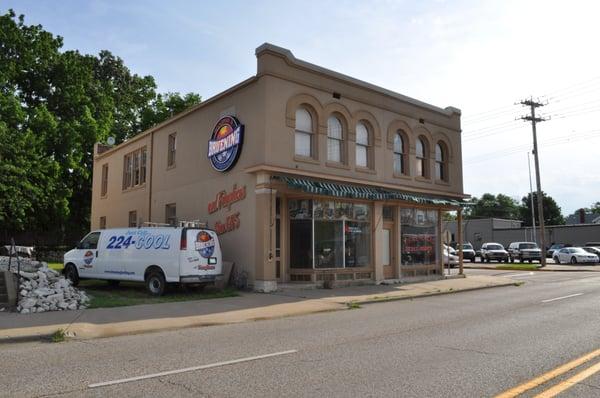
552	212
53	107
595	208
497	206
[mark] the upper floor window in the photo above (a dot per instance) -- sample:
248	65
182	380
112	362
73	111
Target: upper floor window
441	169
133	221
304	133
421	158
134	168
172	147
362	145
334	139
171	214
104	182
399	155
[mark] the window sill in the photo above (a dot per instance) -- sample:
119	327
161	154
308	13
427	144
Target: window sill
337	165
130	189
305	159
403	176
442	182
422	179
171	166
103	196
367	170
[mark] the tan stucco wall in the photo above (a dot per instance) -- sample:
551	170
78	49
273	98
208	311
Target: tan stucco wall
289	87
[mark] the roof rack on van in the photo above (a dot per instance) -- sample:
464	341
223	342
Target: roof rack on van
155	224
192	224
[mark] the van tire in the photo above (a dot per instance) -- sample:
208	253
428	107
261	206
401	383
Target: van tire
70	273
155	282
113	282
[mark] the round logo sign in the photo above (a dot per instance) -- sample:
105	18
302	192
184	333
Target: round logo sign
88	257
205	244
225	144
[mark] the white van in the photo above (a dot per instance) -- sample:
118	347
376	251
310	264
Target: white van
155	256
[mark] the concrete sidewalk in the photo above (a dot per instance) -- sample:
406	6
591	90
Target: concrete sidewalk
549	267
106	322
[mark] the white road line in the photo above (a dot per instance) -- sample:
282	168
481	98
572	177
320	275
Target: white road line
522	274
561	298
201	367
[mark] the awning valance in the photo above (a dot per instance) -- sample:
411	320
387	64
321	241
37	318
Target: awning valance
363	192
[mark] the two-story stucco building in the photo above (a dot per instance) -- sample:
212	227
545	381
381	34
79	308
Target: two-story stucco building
307	175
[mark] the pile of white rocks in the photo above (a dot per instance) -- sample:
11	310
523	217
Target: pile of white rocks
43	289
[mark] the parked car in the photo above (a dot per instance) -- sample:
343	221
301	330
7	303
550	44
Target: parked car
556	247
574	255
524	251
493	251
155	256
22	251
595	244
449	256
468	252
592	249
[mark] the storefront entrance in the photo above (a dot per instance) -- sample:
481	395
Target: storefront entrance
388	251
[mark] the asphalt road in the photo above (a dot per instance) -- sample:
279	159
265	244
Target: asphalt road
471	344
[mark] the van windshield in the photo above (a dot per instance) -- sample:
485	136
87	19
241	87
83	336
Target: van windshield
495	247
467	246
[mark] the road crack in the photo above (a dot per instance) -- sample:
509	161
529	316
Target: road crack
184	386
469	350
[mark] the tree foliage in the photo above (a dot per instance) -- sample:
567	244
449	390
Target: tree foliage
54	106
552	212
496	206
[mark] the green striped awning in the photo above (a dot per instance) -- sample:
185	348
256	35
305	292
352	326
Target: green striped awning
363	192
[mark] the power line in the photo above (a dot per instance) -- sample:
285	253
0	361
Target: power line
591	134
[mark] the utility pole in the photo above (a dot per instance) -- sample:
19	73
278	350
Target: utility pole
533	119
532	205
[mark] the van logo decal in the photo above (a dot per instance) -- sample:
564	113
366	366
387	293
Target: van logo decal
88	257
225	144
205	244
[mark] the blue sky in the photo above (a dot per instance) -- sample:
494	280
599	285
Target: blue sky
479	56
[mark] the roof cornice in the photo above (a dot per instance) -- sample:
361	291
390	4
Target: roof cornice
298	63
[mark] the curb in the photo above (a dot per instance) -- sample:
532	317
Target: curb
535	270
392	298
92	331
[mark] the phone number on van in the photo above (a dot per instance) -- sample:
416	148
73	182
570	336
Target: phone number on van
143	242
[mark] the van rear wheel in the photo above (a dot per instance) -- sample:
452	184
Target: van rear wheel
155	283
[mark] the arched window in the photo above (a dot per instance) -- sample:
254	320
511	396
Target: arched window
399	154
304	133
441	172
335	139
362	145
421	168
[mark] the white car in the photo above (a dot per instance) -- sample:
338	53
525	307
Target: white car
155	256
574	255
449	258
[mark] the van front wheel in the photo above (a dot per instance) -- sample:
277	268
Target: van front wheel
71	274
155	283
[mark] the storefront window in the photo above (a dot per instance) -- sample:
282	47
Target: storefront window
418	236
329	244
301	252
341	238
358	244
